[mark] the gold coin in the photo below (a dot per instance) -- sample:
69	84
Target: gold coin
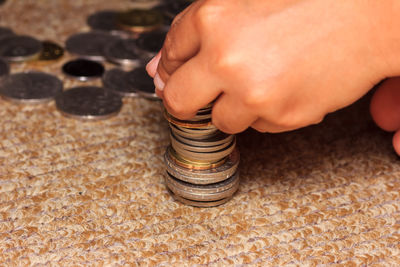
50	51
140	20
192	165
204	176
204	124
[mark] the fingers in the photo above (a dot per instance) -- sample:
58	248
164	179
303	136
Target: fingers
396	142
230	116
151	67
190	88
181	43
264	126
385	105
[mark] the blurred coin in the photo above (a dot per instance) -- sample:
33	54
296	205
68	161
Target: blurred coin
4	67
4	31
89	45
117	81
106	20
50	51
30	87
123	52
88	103
19	47
83	69
208	192
149	44
202	176
142	83
140	20
200	204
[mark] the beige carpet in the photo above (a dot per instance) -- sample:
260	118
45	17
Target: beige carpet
92	193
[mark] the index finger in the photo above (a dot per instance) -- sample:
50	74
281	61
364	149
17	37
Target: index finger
181	43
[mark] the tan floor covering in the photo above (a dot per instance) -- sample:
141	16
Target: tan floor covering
92	193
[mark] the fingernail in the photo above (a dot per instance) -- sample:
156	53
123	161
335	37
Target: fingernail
158	82
152	62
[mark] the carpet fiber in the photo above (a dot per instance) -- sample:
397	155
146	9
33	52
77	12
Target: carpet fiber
92	193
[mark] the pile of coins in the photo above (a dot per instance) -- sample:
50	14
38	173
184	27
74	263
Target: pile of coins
201	161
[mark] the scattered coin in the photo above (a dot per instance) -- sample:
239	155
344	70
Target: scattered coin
149	44
117	81
106	20
88	103
4	31
30	87
4	68
140	20
19	47
142	83
83	69
50	51
89	45
123	52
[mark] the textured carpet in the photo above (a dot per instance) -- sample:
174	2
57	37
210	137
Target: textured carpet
92	193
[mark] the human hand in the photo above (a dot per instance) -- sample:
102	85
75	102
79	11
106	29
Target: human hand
385	109
272	65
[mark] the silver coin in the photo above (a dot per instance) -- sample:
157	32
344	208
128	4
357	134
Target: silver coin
117	81
19	47
142	83
88	103
209	192
199	204
123	52
106	20
89	45
180	145
213	175
4	68
4	31
218	138
30	87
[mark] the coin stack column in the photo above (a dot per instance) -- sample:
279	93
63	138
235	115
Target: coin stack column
201	161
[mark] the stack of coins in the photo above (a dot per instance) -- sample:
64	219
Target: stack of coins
201	161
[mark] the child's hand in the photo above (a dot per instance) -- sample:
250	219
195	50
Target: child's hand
273	65
385	109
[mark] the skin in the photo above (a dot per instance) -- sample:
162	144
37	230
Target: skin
279	65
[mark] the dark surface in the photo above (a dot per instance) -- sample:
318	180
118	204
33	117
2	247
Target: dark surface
4	67
83	69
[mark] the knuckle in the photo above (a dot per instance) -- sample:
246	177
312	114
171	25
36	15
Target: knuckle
207	14
175	107
169	50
